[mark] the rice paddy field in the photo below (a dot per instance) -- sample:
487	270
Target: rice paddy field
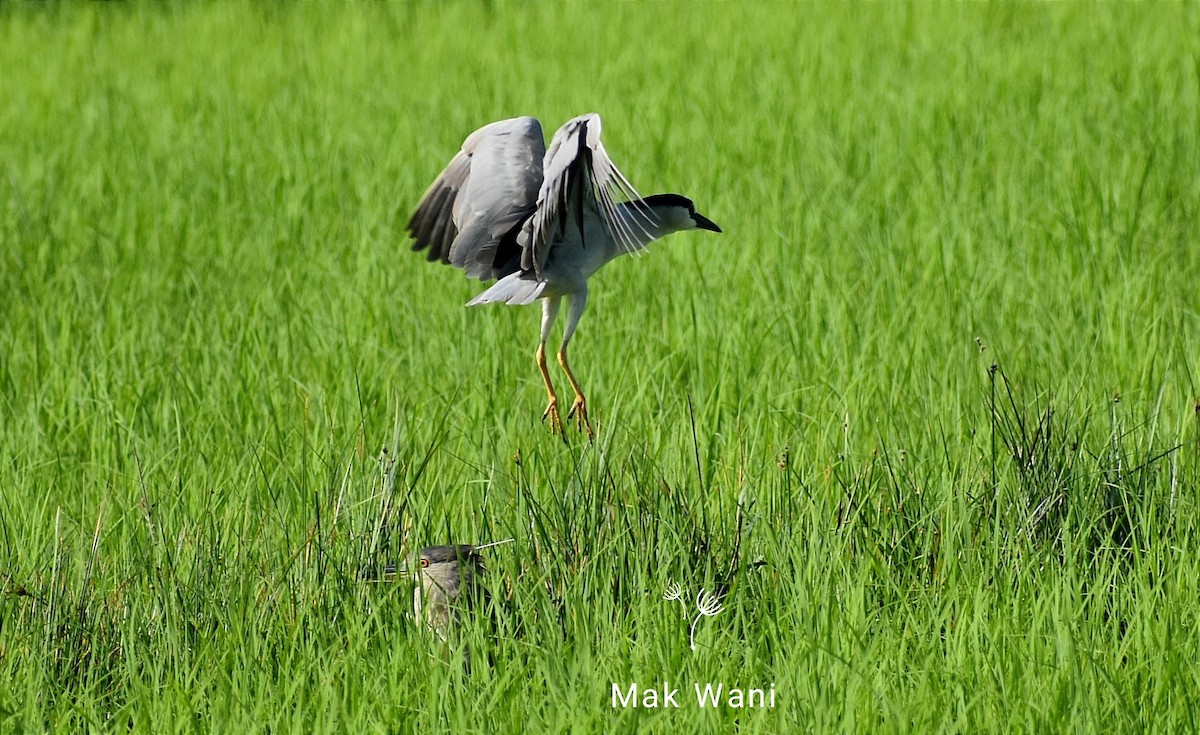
923	418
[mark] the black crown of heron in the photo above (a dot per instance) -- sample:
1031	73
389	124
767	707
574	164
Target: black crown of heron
541	221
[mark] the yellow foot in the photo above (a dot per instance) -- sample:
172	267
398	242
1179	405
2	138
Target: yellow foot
551	413
579	413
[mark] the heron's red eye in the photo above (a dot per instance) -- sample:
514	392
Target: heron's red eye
424	562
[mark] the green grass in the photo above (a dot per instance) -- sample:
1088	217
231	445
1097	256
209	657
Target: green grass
211	323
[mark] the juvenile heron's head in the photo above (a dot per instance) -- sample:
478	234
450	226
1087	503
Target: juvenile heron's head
445	583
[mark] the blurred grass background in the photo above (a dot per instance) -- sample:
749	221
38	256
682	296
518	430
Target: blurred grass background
210	324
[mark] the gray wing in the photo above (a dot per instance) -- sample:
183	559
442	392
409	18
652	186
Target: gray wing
580	181
482	197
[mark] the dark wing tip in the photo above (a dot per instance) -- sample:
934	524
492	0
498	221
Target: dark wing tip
432	225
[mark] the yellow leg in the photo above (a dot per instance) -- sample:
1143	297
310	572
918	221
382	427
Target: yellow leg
579	406
551	409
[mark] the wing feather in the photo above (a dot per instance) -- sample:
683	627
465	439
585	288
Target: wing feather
489	188
579	181
432	225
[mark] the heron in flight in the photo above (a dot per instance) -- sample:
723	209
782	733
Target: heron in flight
541	222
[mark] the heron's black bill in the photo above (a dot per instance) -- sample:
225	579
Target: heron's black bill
386	573
704	223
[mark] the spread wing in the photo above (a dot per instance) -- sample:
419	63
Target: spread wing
580	182
482	197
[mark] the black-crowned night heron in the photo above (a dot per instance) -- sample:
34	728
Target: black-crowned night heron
542	222
446	584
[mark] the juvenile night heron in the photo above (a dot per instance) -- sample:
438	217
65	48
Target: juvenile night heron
446	584
542	222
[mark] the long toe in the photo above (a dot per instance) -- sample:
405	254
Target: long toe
579	413
551	413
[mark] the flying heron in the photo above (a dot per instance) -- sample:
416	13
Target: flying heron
541	222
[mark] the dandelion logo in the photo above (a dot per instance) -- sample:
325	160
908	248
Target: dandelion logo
708	605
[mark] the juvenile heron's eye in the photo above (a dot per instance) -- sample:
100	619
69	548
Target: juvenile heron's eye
424	562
